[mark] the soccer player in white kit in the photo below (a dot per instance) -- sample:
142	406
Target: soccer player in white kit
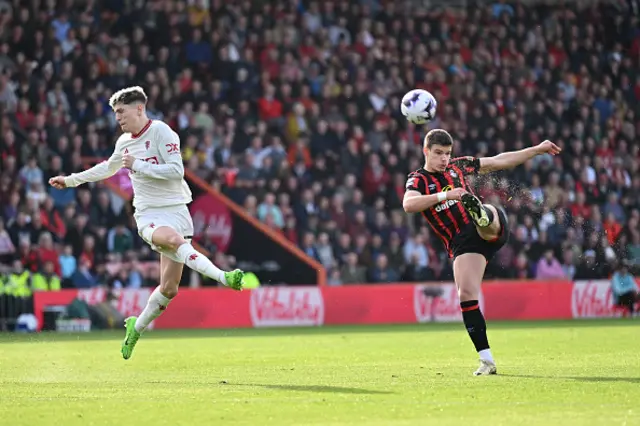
150	149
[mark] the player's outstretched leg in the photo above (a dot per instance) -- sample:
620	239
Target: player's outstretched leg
468	270
177	248
176	252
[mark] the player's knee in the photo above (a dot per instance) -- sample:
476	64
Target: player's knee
169	289
467	294
173	242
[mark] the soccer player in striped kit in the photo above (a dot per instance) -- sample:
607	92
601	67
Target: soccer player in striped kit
471	232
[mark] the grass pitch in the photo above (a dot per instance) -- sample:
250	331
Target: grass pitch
553	373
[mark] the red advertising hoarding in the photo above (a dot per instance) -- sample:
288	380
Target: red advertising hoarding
356	304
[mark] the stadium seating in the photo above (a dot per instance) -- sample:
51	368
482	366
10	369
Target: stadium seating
287	91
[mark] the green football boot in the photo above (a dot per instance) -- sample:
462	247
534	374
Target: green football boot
131	338
234	279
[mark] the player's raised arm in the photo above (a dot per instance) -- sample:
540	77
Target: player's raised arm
508	160
101	171
168	144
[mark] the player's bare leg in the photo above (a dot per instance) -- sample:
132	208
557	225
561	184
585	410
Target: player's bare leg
468	271
174	246
176	252
170	276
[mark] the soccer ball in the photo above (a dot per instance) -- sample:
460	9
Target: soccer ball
419	106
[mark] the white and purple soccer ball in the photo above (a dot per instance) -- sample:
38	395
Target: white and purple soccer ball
418	106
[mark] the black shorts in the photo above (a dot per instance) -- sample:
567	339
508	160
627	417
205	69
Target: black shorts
469	241
628	299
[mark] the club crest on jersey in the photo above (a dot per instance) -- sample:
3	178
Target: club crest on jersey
453	173
432	187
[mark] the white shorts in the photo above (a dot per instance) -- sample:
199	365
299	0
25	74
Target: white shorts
177	218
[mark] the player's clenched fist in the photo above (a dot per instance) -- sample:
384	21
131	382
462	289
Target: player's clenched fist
456	194
127	161
57	182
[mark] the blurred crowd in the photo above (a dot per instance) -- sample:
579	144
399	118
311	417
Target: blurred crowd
291	109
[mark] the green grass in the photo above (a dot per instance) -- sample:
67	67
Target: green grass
550	373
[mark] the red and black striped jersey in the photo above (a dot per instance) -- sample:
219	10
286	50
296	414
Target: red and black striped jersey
448	217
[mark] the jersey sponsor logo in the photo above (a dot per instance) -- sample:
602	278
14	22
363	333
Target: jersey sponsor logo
172	148
445	205
152	160
282	306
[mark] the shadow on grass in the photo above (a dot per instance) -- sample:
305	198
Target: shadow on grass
314	388
595	379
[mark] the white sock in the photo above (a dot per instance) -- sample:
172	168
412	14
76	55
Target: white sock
156	304
198	262
485	354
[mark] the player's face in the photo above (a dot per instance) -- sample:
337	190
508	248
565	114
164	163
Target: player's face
438	157
126	116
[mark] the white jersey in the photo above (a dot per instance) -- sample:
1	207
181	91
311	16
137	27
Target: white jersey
158	173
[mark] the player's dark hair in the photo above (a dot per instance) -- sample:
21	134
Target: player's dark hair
438	137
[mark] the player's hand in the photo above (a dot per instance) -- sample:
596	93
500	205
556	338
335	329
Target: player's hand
456	194
127	161
57	182
548	147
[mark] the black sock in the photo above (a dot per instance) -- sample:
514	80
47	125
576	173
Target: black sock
475	324
489	213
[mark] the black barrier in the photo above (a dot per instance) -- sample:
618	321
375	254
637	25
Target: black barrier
219	226
11	307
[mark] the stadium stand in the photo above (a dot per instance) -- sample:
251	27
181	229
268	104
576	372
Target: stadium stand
291	109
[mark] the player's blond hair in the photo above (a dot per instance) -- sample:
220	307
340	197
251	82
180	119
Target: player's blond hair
128	95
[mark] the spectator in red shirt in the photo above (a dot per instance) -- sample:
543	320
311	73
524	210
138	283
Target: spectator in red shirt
375	176
269	108
51	219
46	252
612	228
579	207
